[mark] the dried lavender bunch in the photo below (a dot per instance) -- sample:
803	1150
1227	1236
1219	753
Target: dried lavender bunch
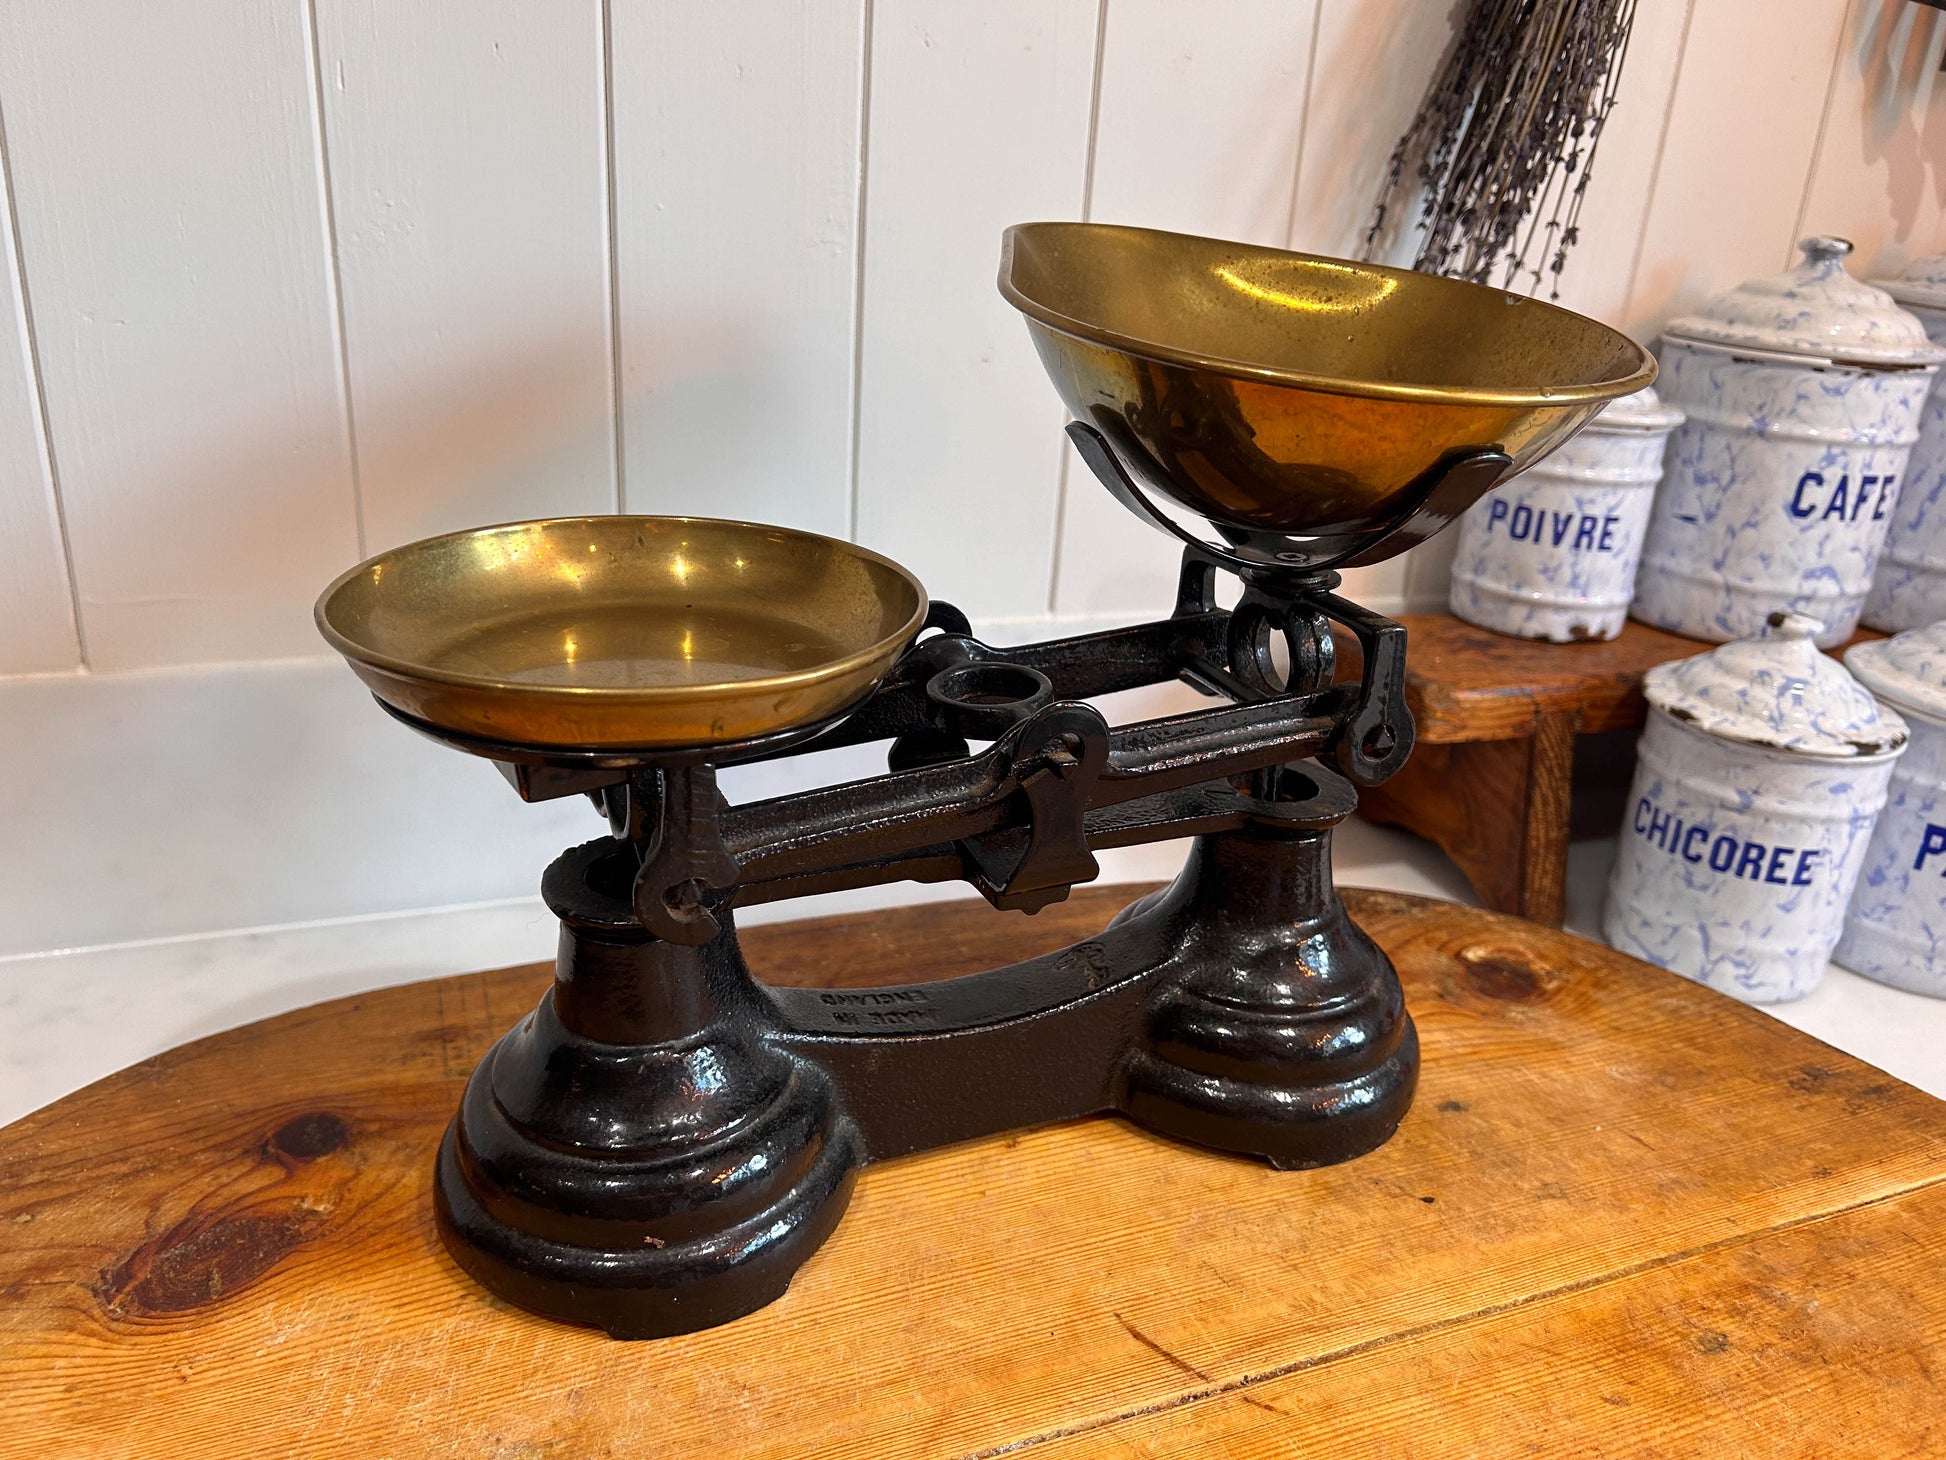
1506	136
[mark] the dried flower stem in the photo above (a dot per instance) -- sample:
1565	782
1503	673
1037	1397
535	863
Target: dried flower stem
1507	135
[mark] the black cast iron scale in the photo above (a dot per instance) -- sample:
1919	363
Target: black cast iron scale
665	1140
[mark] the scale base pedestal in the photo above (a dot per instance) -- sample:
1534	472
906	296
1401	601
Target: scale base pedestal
1278	1029
664	1141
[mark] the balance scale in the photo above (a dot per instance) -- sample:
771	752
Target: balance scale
662	1143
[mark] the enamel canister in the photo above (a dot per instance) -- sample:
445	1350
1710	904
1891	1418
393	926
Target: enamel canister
1758	777
1551	554
1802	395
1909	590
1895	930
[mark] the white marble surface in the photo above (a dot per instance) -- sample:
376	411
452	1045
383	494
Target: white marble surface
69	1018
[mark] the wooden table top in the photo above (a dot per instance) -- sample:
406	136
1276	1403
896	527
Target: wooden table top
1626	1216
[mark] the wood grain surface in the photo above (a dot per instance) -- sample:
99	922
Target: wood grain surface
1626	1216
1465	683
1496	718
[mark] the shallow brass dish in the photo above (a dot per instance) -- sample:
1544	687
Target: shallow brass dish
612	632
1293	393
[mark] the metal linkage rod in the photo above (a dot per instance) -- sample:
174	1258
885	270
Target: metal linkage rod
894	815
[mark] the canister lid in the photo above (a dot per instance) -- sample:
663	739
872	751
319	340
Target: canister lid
1643	411
1779	692
1921	282
1816	310
1908	671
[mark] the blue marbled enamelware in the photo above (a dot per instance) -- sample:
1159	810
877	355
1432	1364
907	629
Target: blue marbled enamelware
1909	590
1777	493
1895	928
1803	396
1551	554
1758	779
1736	886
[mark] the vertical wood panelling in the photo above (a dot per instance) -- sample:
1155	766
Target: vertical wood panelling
808	328
166	182
979	119
465	151
238	795
736	193
1374	60
1199	123
36	603
1197	130
1880	174
1742	129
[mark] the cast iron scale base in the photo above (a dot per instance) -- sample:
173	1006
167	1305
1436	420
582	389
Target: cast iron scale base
665	1140
662	1143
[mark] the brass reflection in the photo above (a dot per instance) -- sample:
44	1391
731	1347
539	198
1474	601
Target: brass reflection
609	632
1294	393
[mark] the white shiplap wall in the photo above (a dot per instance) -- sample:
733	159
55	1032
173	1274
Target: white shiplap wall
177	273
736	146
464	156
981	115
288	280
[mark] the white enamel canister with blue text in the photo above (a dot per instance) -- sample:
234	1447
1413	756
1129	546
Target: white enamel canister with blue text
1895	929
1551	554
1758	778
1909	589
1803	396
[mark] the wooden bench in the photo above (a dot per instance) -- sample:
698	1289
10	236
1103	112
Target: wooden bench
1493	778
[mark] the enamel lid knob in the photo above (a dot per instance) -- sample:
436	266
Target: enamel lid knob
1908	671
1816	311
1778	692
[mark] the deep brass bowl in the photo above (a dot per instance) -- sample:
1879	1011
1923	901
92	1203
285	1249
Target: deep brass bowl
623	632
1296	394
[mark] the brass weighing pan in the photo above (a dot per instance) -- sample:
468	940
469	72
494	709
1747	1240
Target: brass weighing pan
623	632
1294	393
